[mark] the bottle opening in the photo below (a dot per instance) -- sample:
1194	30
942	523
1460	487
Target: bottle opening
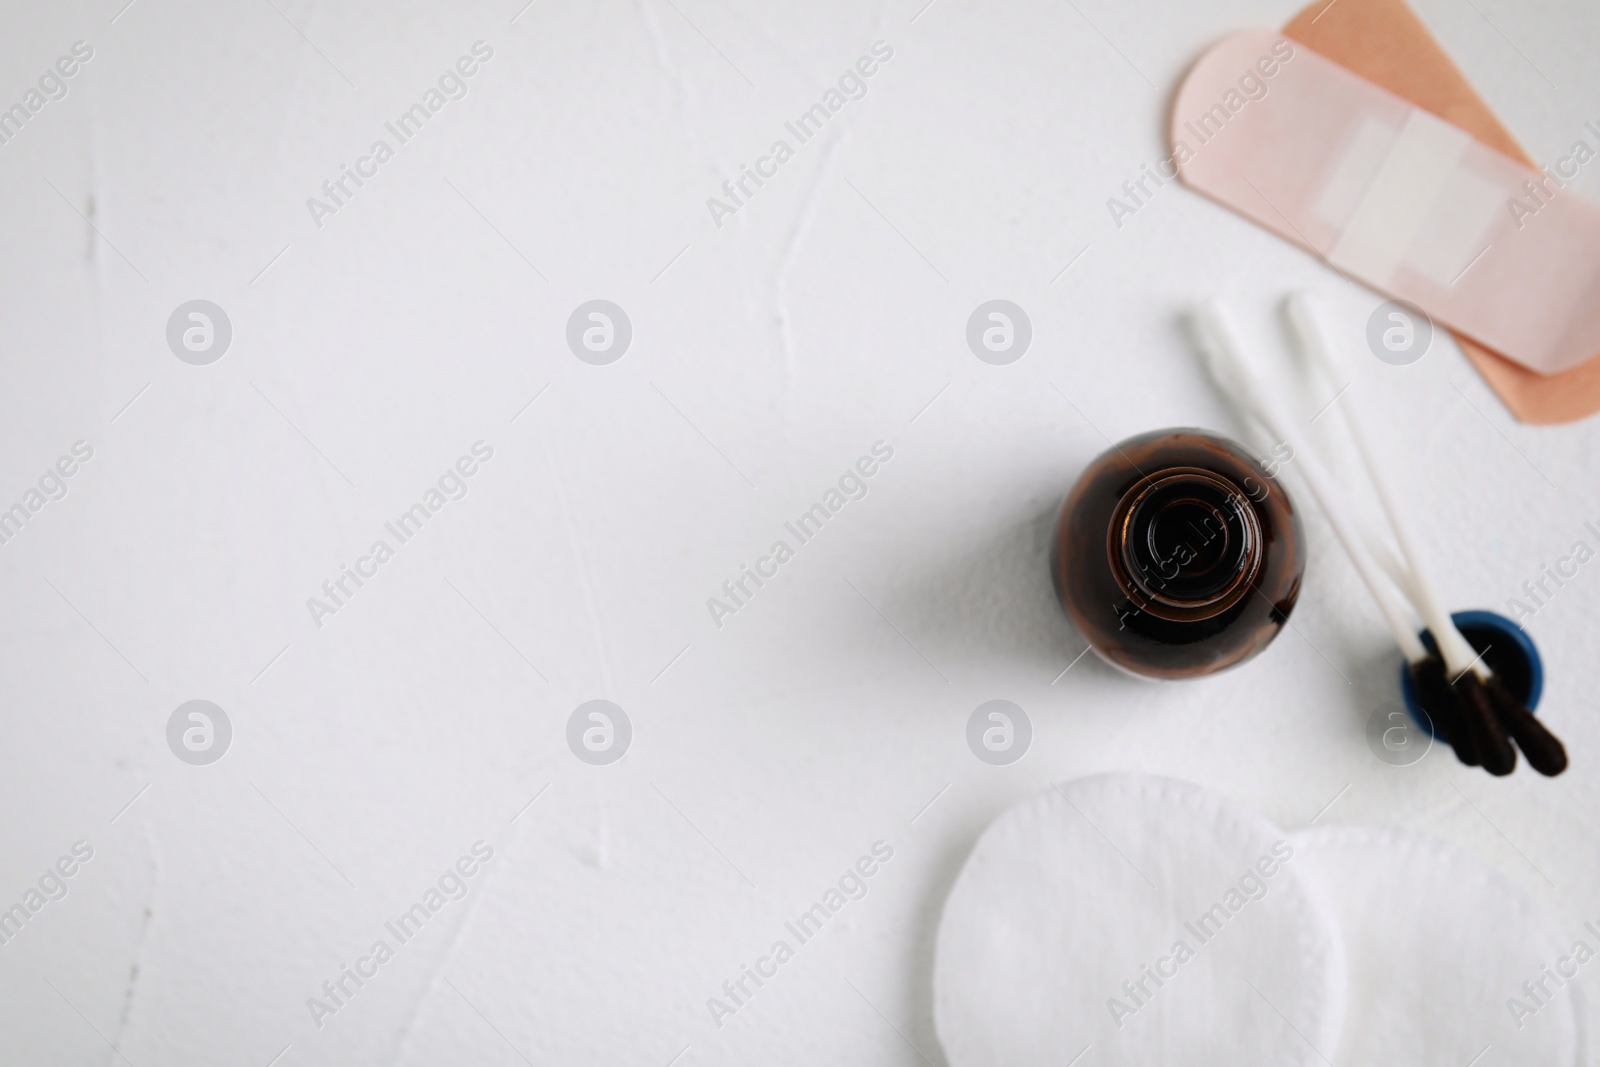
1186	543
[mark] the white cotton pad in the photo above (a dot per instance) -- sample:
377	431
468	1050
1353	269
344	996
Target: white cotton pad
1146	920
1439	945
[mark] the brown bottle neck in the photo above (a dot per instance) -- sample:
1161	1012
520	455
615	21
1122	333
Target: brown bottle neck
1185	544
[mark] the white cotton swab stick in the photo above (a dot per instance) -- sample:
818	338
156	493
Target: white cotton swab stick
1319	363
1305	321
1378	547
1479	714
1222	352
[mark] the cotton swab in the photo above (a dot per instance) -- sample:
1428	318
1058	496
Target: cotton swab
1223	354
1473	729
1305	321
1488	710
1465	717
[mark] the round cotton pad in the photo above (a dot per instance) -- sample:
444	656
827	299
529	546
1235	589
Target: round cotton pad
1149	920
1439	947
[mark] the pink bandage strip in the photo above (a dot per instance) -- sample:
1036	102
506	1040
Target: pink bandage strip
1393	196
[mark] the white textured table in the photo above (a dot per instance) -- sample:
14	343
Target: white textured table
380	335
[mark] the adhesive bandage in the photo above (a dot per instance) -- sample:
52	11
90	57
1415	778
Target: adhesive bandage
1394	197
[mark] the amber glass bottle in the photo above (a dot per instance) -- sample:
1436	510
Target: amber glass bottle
1177	554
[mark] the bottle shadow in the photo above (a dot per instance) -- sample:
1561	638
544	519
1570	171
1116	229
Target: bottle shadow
990	605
